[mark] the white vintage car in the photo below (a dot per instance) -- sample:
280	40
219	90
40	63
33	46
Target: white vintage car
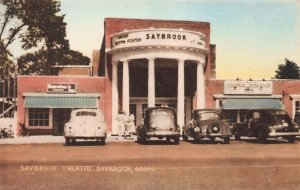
85	124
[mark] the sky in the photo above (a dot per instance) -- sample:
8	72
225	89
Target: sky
252	36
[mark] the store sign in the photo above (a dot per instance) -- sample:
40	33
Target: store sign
159	37
248	87
61	88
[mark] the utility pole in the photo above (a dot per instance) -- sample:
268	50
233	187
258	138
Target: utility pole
3	87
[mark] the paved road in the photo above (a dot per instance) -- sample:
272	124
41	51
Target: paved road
126	165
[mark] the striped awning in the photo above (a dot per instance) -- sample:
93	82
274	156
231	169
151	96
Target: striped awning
60	102
245	103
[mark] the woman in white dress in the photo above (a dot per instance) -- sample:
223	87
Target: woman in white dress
121	126
129	126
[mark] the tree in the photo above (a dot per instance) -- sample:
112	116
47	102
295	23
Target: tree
34	23
6	64
35	63
289	70
74	58
37	25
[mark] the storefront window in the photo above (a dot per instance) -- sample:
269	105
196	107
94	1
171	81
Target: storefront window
144	106
243	115
38	117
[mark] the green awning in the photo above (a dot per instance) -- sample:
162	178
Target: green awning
60	102
244	103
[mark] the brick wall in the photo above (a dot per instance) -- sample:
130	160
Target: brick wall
96	62
38	84
290	87
210	72
213	87
74	71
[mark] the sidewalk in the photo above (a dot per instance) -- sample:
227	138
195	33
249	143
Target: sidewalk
46	139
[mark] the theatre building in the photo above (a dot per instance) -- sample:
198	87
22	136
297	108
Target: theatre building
144	63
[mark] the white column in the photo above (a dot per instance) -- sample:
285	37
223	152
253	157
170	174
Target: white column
188	109
151	82
293	108
217	105
200	86
125	92
180	96
139	114
115	97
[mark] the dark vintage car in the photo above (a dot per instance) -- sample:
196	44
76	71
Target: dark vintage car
160	122
297	118
207	123
267	123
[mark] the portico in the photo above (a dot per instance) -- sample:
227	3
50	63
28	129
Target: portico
176	57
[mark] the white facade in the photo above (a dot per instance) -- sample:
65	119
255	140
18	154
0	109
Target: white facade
150	44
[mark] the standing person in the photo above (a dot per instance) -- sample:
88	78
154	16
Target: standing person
133	128
121	127
129	125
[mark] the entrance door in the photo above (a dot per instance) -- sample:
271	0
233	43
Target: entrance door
60	117
132	110
138	104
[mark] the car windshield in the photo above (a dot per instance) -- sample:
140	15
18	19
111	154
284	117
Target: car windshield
78	115
277	116
297	117
161	119
206	116
86	113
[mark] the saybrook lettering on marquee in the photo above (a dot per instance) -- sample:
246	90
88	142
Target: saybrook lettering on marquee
165	36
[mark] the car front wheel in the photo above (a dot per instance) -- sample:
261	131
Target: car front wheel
168	140
103	141
176	140
184	136
141	139
73	140
237	135
291	139
261	137
226	140
196	140
67	141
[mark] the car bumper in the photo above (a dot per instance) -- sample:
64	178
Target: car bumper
163	134
86	136
283	134
200	135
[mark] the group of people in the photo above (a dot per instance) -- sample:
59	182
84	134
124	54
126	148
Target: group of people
126	126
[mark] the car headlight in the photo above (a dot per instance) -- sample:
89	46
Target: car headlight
274	127
215	129
197	129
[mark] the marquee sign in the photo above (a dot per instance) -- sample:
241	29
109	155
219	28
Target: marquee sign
159	37
248	87
61	88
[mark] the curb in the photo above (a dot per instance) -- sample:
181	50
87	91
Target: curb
52	140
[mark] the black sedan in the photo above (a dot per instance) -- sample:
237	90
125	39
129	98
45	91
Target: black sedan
207	123
268	123
159	122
